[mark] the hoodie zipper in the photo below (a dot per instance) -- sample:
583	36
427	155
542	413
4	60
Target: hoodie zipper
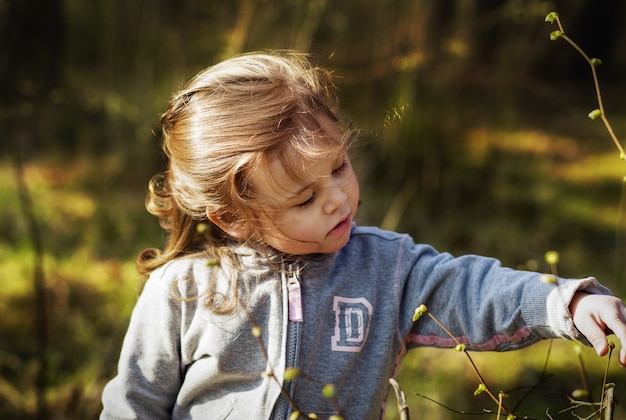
294	308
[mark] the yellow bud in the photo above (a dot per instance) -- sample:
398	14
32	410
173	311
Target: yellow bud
579	394
419	311
548	279
202	227
291	373
554	35
328	391
257	331
294	415
481	388
596	113
460	347
551	17
335	417
552	257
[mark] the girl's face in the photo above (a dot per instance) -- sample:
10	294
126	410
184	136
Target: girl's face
314	209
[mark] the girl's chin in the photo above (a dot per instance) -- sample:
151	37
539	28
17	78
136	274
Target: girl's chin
334	241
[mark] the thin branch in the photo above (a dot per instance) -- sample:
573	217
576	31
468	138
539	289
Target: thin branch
403	408
474	367
596	84
604	384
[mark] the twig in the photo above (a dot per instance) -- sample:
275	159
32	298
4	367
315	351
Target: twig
554	17
462	348
257	334
403	408
605	390
609	399
583	375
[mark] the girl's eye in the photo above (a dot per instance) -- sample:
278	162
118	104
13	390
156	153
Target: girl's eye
343	166
308	202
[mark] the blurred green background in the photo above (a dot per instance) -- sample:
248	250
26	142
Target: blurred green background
475	139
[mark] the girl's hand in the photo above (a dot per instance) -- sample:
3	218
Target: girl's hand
595	316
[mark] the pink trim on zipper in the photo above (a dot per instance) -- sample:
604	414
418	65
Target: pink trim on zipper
294	298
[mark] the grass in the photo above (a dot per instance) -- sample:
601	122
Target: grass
91	289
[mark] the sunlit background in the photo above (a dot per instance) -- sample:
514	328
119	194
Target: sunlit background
474	138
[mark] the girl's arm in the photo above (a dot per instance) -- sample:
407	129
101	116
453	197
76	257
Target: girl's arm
149	374
487	306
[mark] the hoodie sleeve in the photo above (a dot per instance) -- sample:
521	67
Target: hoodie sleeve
484	305
149	369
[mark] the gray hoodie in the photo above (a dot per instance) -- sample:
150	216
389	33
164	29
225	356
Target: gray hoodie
343	319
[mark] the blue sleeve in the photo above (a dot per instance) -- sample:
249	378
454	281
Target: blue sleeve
484	305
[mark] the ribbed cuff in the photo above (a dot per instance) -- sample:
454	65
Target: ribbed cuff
557	305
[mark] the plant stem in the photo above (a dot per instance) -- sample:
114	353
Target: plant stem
596	85
604	390
583	376
474	367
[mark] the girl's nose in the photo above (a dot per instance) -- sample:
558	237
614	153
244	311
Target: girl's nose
335	199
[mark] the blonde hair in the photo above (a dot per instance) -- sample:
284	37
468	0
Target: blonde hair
228	119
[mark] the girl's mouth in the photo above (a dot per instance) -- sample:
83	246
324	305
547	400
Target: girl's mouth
341	226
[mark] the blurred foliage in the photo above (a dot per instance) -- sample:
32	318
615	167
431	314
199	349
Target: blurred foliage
474	139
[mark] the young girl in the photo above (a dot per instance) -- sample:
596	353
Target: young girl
267	291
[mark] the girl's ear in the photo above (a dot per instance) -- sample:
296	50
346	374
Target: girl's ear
234	228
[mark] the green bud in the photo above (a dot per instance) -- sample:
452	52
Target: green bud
595	114
335	417
328	391
419	311
460	347
202	227
291	373
552	257
611	344
552	17
579	394
481	388
511	417
622	156
596	62
609	385
554	35
548	279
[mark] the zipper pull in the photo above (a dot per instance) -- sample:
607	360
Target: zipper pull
294	296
